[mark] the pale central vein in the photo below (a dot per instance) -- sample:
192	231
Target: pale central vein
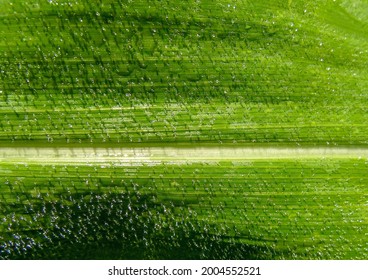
143	154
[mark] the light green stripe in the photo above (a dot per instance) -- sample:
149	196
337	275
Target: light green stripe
145	154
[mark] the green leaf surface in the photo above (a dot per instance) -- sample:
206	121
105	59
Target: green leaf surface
183	129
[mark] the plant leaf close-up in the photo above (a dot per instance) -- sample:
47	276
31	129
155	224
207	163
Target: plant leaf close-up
183	129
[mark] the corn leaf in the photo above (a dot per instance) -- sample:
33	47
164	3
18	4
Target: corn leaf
183	129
